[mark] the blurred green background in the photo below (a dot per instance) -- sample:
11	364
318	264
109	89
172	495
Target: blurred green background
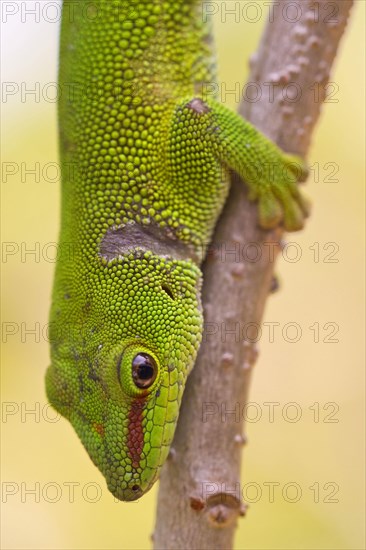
321	455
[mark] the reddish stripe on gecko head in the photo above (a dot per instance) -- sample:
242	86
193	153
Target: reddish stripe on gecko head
135	432
99	428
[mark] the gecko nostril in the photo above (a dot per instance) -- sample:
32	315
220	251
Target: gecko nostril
135	487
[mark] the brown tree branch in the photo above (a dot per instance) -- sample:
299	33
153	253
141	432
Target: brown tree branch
199	496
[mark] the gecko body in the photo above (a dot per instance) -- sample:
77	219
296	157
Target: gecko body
150	157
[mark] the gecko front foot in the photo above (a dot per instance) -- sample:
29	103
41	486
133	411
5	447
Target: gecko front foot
271	175
280	199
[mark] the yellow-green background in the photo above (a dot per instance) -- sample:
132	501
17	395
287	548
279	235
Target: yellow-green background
306	372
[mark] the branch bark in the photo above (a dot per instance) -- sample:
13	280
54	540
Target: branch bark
199	496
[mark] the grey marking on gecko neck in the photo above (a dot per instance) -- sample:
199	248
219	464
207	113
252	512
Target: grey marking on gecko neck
148	238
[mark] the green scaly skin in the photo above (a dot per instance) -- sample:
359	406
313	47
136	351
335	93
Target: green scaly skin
146	160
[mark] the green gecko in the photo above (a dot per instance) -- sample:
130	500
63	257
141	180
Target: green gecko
150	158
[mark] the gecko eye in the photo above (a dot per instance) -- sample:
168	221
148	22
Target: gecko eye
144	370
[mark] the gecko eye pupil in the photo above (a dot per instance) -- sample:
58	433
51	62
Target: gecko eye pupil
144	370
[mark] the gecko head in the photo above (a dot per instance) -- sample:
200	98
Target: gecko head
123	393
